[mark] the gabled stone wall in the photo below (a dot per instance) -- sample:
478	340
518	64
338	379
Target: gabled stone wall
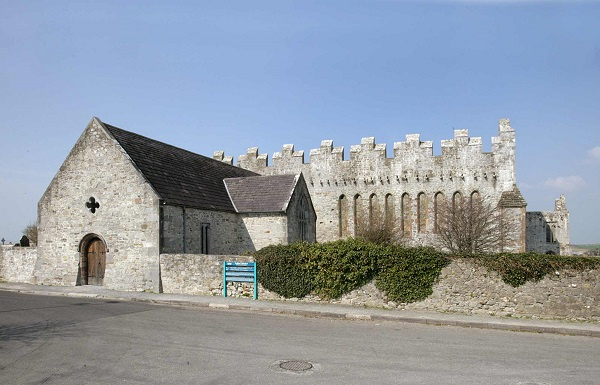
293	214
127	218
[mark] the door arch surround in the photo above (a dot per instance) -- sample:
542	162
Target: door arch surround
92	260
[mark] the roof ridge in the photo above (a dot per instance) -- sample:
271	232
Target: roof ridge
179	176
158	141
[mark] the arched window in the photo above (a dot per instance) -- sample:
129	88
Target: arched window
357	211
438	211
550	234
343	216
389	210
405	215
421	212
303	220
456	200
373	209
475	200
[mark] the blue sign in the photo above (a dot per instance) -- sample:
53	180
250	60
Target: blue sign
240	272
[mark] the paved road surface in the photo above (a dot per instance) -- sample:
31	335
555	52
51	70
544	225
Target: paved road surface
60	340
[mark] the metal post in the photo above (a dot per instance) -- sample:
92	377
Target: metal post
255	282
224	279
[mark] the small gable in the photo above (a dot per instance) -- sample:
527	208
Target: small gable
261	194
512	199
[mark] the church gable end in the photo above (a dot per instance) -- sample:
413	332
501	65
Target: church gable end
97	191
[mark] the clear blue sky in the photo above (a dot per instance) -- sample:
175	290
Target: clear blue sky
228	75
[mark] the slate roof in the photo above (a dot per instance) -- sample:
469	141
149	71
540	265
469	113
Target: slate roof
512	198
261	194
180	177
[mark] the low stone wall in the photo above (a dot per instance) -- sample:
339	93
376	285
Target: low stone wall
474	290
462	287
17	263
199	274
469	289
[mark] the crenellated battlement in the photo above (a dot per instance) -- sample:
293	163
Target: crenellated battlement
411	186
220	155
462	155
407	183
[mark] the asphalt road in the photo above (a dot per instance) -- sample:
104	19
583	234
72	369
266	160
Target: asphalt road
60	340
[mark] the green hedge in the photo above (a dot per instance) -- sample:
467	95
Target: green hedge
333	269
283	270
341	266
327	269
408	274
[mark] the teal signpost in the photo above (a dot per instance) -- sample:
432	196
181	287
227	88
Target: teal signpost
240	272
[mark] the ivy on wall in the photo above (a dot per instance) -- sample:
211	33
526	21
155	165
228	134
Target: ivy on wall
283	270
333	269
408	274
518	269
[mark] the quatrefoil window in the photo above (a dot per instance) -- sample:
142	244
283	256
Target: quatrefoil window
92	204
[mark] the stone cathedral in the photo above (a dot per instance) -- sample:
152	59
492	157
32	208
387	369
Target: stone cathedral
121	200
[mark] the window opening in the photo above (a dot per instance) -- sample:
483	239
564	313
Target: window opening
204	238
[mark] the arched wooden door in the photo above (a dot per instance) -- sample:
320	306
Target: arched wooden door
95	256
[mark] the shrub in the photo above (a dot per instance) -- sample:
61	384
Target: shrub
283	270
408	274
327	269
342	266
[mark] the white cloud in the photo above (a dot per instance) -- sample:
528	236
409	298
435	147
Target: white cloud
594	154
524	186
565	183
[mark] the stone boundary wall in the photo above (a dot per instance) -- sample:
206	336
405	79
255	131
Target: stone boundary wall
462	287
199	274
466	288
17	264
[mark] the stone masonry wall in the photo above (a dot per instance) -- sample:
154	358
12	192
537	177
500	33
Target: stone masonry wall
548	231
514	230
462	287
538	238
468	289
199	274
226	233
465	288
127	218
265	229
368	178
17	264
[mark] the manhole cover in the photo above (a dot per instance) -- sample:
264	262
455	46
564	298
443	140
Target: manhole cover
296	366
